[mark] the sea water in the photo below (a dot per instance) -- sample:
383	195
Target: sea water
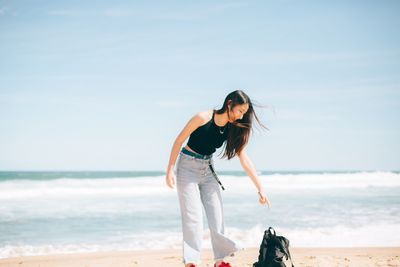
67	212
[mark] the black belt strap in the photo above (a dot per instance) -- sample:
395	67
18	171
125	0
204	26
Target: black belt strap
215	175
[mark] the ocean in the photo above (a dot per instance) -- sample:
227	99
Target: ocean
66	212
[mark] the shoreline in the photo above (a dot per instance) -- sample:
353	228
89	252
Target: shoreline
302	256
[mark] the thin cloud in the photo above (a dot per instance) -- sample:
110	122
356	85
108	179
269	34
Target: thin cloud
183	15
223	7
67	12
283	58
112	12
109	12
171	104
118	12
333	91
200	13
3	11
298	115
290	57
230	57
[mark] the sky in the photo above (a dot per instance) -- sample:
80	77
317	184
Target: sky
108	85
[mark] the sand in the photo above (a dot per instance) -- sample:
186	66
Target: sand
302	257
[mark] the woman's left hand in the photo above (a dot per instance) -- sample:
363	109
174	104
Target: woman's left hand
264	199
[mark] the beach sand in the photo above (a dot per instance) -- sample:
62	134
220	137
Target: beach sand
302	257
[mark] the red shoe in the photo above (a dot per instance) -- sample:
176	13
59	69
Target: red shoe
192	265
223	264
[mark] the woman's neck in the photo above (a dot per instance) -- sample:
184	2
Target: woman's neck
221	119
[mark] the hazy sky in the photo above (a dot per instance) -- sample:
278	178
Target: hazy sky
108	85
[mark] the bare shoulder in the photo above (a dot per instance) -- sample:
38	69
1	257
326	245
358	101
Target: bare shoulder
204	115
200	118
196	121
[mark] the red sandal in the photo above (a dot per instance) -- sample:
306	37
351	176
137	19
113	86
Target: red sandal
223	264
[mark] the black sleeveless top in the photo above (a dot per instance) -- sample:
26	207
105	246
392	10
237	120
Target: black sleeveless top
208	137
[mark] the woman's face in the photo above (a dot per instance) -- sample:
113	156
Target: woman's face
238	111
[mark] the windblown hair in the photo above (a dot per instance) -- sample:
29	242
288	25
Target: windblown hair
239	131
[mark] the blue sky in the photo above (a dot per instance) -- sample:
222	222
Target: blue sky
100	85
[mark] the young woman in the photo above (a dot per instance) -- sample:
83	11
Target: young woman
197	184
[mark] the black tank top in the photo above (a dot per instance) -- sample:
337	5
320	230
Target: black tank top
208	137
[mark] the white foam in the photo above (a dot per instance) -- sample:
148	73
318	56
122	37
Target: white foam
64	188
326	181
380	235
155	185
384	235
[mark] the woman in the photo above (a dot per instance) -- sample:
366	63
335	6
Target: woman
196	180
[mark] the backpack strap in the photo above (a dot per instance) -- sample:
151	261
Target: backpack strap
269	231
285	251
290	258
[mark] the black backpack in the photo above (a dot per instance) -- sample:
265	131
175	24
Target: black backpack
272	250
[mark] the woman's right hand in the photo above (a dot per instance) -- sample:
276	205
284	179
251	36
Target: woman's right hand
264	199
170	179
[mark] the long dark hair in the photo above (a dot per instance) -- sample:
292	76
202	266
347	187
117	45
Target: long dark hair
238	131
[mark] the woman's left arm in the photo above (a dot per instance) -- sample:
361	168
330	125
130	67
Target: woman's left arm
249	168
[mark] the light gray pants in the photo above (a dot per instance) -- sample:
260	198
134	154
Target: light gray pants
196	185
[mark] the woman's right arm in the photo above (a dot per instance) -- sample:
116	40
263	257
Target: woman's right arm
192	125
